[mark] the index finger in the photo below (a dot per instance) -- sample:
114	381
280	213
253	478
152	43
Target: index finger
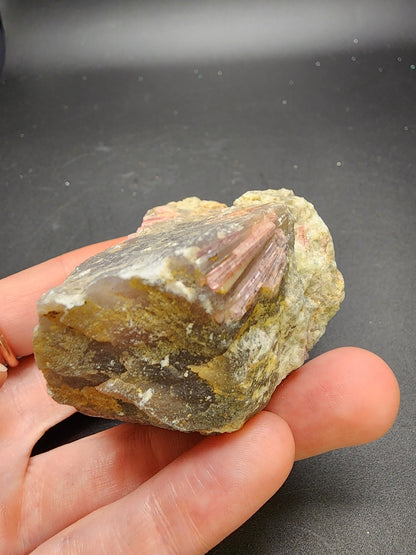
20	292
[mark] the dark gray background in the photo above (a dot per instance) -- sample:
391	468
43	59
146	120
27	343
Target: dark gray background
107	109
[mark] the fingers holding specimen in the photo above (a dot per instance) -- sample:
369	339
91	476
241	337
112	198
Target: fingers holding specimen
195	501
101	469
26	410
345	397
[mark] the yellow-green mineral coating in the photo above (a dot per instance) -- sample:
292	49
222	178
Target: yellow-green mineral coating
193	322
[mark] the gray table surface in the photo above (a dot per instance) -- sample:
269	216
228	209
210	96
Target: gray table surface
96	129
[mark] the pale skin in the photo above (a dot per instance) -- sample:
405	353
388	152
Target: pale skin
138	489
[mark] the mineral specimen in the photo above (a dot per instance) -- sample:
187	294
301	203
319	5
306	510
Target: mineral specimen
192	322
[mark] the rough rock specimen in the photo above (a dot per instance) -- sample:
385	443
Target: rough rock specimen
192	322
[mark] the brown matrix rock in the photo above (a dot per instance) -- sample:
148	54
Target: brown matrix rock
192	322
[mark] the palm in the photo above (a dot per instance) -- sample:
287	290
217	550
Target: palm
135	486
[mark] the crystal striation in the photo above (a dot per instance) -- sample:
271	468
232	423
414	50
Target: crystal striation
193	321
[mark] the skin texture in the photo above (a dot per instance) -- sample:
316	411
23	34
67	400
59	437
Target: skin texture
138	489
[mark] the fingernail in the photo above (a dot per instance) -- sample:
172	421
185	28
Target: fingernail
3	368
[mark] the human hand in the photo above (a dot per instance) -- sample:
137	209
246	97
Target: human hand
139	489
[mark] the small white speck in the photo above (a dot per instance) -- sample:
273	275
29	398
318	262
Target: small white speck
219	73
84	77
284	101
353	58
380	69
295	166
186	374
21	135
412	66
399	59
291	83
405	128
165	361
140	78
317	63
67	183
147	395
102	148
339	163
355	41
196	71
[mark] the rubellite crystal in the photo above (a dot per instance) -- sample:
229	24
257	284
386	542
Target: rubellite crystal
192	322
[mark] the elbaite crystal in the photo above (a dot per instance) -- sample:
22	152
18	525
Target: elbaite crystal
192	322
